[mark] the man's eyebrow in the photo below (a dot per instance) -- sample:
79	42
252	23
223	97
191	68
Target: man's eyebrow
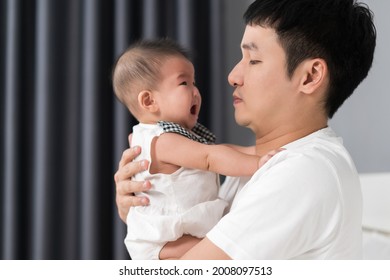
250	46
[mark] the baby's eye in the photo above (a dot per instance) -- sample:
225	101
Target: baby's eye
184	83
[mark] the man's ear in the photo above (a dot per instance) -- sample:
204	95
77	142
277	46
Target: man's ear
147	101
315	75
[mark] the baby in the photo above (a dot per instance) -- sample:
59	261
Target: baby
155	80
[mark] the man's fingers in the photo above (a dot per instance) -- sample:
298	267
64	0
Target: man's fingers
268	156
129	155
129	138
128	167
274	152
129	187
125	187
130	201
125	202
125	196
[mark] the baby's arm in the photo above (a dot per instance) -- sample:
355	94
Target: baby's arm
175	149
249	150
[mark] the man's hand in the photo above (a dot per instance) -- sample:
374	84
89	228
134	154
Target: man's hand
125	187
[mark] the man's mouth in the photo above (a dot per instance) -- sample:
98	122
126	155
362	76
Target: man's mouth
236	100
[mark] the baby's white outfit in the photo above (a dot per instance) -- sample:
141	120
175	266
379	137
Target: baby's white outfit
184	202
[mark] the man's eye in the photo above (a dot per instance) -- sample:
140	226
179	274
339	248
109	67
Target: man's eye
254	62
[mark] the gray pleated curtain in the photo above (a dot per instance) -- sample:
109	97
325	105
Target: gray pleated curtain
62	131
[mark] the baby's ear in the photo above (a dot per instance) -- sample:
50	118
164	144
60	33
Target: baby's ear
147	101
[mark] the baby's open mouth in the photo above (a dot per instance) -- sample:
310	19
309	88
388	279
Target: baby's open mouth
193	110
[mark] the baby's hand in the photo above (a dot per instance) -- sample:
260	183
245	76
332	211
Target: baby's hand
268	156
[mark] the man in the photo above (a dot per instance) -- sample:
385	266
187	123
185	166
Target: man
301	59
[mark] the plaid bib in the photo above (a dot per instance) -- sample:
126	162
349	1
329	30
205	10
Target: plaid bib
199	133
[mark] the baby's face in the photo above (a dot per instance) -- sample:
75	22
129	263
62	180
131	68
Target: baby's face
178	97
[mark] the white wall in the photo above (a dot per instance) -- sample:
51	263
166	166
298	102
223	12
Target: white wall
363	121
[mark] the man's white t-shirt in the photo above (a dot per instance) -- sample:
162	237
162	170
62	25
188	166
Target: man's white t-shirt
304	203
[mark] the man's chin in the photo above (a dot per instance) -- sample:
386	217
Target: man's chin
241	121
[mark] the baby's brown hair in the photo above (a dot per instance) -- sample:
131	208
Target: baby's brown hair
138	68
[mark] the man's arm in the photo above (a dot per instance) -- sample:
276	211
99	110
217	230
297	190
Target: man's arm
176	249
188	247
205	250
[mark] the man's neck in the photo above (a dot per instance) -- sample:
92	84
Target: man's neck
280	137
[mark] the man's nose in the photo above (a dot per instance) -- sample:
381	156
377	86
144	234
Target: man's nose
235	77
